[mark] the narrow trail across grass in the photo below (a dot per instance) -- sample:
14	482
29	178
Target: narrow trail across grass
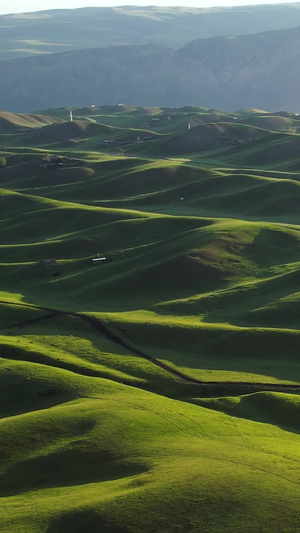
208	386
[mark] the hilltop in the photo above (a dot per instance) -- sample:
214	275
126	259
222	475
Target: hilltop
14	123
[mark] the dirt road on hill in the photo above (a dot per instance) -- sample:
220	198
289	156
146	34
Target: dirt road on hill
208	387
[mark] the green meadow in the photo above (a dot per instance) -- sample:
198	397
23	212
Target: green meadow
158	390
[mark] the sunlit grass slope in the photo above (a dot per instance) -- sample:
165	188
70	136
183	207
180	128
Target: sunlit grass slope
159	390
181	188
119	459
14	123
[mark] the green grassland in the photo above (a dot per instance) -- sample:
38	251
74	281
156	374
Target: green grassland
158	391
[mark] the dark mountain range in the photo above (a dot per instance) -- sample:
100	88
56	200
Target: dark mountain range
66	29
137	74
261	71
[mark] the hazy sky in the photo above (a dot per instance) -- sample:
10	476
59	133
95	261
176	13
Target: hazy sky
22	6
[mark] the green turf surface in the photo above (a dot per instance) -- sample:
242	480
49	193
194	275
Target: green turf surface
158	391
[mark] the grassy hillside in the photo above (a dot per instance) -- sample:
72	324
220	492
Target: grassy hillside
157	391
14	123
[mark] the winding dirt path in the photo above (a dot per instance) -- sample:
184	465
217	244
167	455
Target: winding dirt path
100	327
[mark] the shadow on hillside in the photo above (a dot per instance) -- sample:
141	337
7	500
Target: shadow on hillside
87	520
128	295
269	353
274	247
76	464
264	407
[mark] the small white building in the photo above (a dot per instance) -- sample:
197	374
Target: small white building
98	260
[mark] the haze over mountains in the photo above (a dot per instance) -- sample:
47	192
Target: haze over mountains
218	58
69	29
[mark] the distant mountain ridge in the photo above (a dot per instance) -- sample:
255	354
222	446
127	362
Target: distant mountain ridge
136	74
250	71
69	29
258	70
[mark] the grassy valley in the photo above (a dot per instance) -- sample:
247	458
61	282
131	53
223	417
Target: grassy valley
149	297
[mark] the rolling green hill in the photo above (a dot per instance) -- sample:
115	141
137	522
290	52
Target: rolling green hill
14	123
157	390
